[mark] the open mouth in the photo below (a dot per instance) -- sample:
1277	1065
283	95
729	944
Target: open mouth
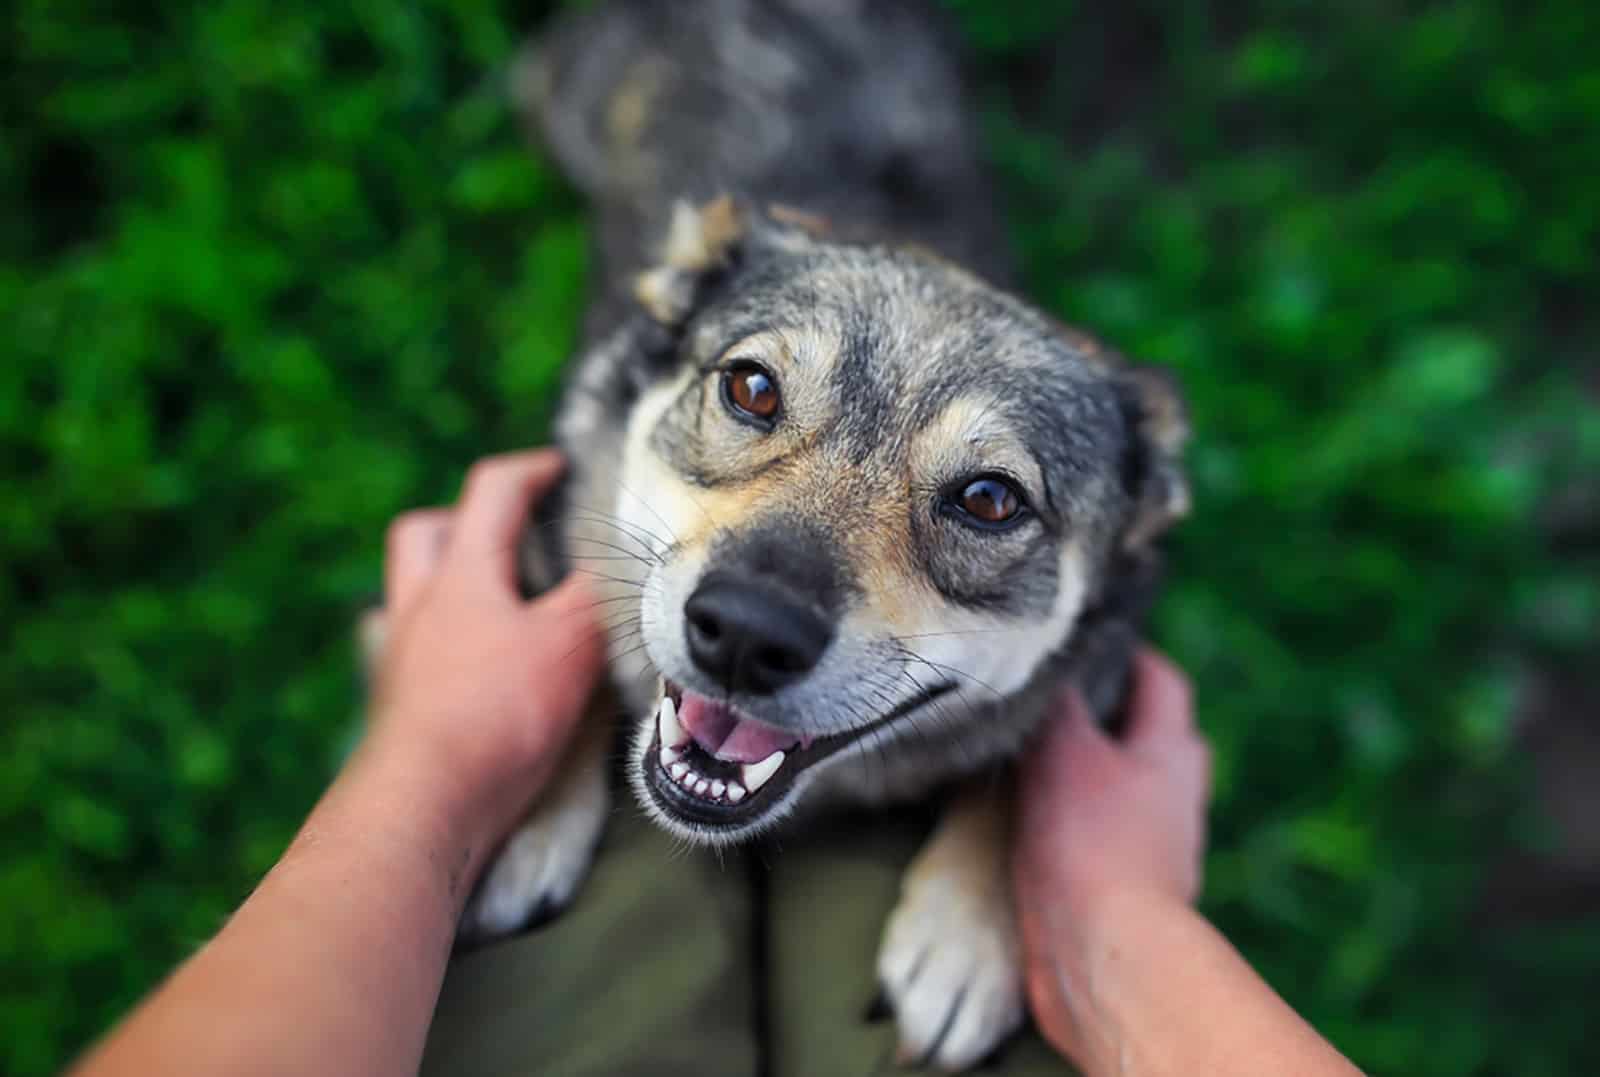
714	766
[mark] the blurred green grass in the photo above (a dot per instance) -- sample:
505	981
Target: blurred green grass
277	271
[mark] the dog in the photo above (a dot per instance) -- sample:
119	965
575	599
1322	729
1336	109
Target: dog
859	510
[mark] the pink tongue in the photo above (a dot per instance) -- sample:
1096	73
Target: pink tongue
736	740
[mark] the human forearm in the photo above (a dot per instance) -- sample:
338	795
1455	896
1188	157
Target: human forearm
1145	985
333	965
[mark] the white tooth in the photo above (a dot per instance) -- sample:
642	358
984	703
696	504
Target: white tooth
678	770
701	786
735	792
670	756
757	774
667	722
718	788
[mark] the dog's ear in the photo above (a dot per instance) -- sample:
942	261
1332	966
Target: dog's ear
1152	467
702	243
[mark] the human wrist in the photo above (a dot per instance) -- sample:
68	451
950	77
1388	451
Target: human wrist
1076	972
405	792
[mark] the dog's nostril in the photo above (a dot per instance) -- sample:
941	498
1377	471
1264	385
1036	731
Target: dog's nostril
784	661
706	626
751	637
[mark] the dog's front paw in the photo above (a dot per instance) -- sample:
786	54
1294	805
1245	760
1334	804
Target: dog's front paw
539	870
951	962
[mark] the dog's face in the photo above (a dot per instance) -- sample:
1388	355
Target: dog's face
876	495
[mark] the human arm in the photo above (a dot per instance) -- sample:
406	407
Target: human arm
1124	976
333	964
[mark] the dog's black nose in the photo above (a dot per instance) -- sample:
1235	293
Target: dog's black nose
750	636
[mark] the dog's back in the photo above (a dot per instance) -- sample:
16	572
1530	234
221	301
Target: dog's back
848	109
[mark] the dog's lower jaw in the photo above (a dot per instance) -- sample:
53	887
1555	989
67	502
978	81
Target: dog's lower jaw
698	786
646	773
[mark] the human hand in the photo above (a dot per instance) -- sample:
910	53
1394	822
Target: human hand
1103	824
480	687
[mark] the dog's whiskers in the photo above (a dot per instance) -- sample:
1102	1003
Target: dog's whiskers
625	554
599	519
597	603
630	652
651	510
614	579
879	736
940	667
857	718
632	529
937	712
955	632
617	625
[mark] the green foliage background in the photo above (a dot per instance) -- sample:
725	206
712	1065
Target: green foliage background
271	272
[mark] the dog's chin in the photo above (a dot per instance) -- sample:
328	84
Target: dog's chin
750	778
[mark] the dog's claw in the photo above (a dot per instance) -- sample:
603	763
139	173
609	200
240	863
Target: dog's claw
547	909
879	1009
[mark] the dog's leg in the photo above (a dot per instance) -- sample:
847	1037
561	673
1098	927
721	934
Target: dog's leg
547	856
951	962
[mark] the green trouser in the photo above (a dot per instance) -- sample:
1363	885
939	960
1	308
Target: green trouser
678	961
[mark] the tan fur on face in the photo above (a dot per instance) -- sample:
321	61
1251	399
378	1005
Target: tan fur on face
679	516
972	433
866	505
801	359
985	653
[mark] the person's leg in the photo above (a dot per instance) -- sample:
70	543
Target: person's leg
830	887
648	973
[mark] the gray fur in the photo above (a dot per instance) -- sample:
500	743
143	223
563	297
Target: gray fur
851	111
795	184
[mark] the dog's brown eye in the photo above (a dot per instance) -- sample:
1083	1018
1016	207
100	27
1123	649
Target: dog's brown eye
990	500
751	390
